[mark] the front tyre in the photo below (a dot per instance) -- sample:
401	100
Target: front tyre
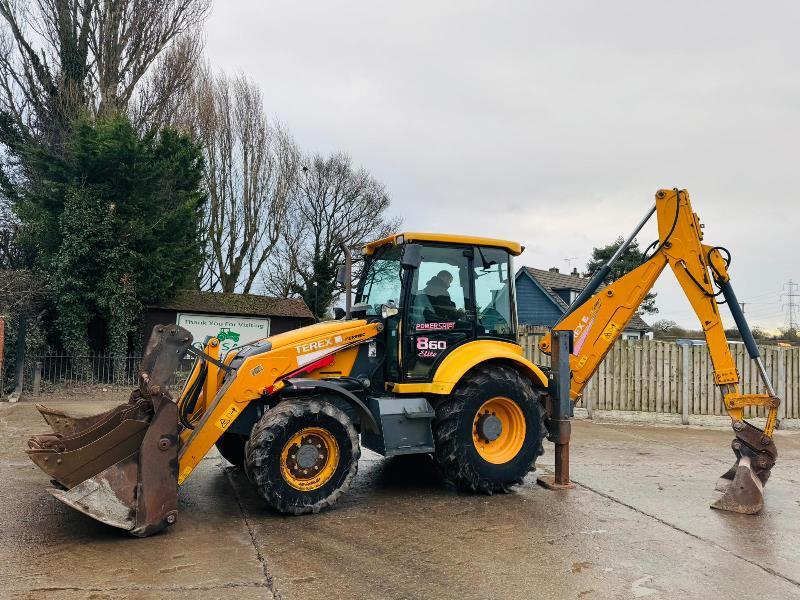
302	455
489	431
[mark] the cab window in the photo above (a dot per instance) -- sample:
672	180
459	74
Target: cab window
440	286
493	292
382	283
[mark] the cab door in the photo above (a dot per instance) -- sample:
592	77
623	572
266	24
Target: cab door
441	312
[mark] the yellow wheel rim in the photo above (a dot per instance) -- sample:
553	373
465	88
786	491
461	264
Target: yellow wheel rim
309	459
498	430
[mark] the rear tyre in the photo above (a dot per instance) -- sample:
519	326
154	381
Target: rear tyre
489	431
302	455
231	447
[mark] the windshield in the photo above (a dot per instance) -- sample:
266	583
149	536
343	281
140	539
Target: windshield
381	282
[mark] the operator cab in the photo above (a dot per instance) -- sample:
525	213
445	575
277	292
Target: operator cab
435	293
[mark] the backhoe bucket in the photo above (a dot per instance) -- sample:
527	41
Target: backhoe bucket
742	485
120	467
744	493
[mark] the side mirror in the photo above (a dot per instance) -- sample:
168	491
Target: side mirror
388	310
412	256
339	313
341	276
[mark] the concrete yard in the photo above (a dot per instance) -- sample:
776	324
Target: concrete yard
636	526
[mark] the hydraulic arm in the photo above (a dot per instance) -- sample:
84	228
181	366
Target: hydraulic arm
598	316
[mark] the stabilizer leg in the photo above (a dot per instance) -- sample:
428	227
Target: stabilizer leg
558	424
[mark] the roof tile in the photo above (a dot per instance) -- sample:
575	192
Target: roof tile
552	281
238	304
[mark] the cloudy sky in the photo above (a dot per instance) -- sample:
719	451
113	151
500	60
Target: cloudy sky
549	123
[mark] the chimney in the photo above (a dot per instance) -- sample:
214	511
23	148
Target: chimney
575	272
553	269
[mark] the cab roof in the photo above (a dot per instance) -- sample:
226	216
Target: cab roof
443	238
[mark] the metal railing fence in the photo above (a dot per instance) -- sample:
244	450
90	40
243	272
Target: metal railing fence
56	370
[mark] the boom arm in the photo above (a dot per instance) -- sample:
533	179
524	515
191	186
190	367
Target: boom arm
597	321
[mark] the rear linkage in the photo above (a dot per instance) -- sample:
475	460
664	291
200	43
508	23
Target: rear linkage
680	246
121	467
743	484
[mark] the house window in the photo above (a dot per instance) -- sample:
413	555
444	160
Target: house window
566	294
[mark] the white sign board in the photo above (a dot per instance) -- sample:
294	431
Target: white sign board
231	331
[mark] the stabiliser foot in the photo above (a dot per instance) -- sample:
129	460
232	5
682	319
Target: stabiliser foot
559	480
742	485
549	482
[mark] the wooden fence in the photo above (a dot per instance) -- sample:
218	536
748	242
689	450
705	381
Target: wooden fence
664	377
636	375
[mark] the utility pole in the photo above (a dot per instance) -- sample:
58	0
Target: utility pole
790	303
742	305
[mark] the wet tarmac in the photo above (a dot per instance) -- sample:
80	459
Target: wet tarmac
637	525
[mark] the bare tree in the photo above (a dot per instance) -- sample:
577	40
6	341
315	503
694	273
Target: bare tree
251	168
332	202
21	293
163	95
58	57
279	276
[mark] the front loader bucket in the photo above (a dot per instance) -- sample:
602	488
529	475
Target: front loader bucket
138	493
120	467
70	459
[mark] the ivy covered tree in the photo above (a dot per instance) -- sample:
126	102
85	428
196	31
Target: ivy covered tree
115	227
630	259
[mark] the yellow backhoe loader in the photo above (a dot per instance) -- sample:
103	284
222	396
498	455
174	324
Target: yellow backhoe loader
424	361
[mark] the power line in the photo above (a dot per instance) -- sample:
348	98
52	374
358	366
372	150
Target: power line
765	315
762	294
774	309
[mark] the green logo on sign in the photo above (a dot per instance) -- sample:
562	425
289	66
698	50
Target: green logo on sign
226	334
